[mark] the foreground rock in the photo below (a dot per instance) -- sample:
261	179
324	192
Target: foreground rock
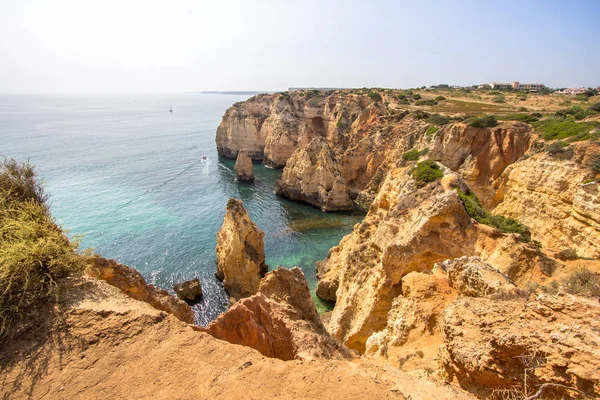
280	321
243	167
312	175
77	347
133	284
517	345
188	290
240	252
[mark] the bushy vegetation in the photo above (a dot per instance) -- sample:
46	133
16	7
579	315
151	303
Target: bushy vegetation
499	99
487	121
416	96
575	112
583	282
594	163
440	98
438	120
374	96
476	211
560	149
34	251
431	130
555	128
425	172
428	102
528	118
595	107
414	154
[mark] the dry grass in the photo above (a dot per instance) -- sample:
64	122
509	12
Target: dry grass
34	251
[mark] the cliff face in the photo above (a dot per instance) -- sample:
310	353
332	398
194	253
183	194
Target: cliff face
313	175
549	196
240	252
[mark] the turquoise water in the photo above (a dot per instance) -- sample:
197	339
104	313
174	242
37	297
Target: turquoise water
129	175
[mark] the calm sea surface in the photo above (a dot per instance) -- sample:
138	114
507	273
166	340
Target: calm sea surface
129	175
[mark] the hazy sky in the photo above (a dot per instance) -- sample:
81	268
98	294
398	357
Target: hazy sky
75	46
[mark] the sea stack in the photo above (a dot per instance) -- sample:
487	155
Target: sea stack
240	252
243	167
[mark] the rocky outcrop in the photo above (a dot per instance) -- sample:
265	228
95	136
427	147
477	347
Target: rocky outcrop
518	345
280	321
312	175
75	347
240	252
470	276
133	284
243	167
480	155
188	290
407	229
549	196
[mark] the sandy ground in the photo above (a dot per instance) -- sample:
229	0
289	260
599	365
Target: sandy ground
93	342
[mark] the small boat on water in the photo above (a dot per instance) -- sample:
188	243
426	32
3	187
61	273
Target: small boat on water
170	108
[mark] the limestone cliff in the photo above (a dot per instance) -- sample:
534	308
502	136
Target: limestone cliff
549	195
280	321
313	175
240	252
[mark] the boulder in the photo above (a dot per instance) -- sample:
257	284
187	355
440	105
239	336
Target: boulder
243	167
188	290
280	321
133	284
240	252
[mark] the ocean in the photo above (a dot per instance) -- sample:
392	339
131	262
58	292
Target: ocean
130	177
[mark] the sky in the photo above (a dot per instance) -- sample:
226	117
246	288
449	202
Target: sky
130	46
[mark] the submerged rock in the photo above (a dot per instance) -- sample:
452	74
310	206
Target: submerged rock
133	284
313	175
243	167
280	321
188	290
240	252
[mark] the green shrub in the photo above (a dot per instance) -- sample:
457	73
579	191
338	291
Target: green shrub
425	172
438	120
564	128
420	114
414	154
440	98
583	282
576	112
431	130
594	162
476	211
34	251
417	96
403	101
519	117
498	99
486	121
560	150
374	96
428	102
595	107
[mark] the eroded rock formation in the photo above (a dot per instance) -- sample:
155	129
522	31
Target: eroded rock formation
240	252
313	175
280	321
133	284
517	345
243	167
188	290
